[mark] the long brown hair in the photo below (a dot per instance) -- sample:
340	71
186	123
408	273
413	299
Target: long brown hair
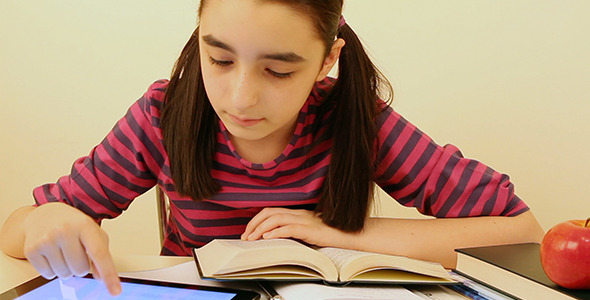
189	123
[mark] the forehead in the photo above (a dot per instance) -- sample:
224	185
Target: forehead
261	16
292	5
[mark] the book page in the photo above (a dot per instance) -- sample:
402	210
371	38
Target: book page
224	257
352	263
341	257
260	244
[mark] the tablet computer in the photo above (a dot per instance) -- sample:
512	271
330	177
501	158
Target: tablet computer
80	288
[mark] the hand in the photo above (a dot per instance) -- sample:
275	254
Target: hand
304	225
62	241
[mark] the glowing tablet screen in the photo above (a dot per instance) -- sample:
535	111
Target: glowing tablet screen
78	288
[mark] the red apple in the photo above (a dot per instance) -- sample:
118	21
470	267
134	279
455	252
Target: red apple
565	254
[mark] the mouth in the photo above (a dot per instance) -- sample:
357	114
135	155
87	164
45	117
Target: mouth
245	121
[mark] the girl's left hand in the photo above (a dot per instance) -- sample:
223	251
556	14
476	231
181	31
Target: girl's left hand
301	224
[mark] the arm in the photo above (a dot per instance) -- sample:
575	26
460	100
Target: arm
123	166
426	239
436	239
61	236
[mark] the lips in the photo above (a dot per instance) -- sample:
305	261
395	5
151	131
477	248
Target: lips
245	121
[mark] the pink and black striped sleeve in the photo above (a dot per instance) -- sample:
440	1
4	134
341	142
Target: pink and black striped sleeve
437	180
124	165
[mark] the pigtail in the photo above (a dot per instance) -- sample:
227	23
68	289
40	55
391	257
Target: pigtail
188	125
348	190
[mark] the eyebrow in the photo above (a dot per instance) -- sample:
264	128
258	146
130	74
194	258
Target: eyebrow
290	57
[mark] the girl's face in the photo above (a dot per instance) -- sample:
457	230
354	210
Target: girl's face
259	62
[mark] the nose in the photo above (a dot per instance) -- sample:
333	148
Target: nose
245	91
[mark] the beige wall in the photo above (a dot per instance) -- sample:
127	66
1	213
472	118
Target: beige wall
505	81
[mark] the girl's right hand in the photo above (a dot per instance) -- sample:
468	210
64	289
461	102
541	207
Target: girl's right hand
62	241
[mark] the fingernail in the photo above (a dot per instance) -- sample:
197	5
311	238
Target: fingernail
251	236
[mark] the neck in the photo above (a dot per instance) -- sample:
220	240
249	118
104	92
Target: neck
265	149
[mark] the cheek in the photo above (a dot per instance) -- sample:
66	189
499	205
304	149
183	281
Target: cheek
213	86
296	93
288	103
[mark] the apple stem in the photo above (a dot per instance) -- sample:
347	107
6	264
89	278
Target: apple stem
587	223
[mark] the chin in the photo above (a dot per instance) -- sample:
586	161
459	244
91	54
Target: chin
249	134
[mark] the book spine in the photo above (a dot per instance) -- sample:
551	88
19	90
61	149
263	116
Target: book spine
482	288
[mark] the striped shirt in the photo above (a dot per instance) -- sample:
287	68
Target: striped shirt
413	169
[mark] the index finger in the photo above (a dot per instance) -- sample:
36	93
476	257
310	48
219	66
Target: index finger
97	248
255	221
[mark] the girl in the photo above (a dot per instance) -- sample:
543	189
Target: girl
250	139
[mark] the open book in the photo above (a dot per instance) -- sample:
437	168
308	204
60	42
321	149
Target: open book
283	259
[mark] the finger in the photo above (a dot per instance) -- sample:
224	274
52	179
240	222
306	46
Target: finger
281	217
259	224
255	221
273	222
56	261
260	218
76	258
95	273
96	245
108	275
288	231
40	263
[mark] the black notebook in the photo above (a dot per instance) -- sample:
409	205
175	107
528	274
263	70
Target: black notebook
515	269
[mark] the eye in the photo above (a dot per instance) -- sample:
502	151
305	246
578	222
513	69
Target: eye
222	63
279	75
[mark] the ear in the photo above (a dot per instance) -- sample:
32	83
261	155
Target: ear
331	59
